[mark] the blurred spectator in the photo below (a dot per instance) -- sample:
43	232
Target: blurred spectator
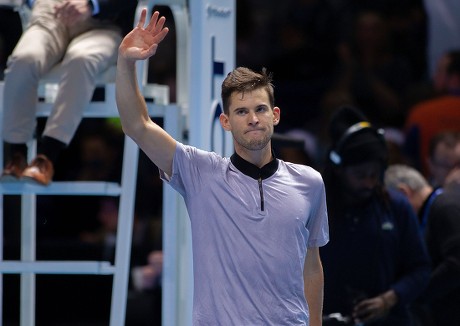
100	155
438	212
105	235
444	81
296	146
443	29
247	35
144	304
83	37
443	157
146	263
407	23
371	75
376	263
431	116
145	237
148	276
255	31
303	58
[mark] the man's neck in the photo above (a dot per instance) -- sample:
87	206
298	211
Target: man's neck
258	158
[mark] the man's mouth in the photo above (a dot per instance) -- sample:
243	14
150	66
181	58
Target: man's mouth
254	130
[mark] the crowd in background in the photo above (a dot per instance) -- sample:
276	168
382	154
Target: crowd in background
376	55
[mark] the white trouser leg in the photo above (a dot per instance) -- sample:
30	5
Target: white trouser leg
87	56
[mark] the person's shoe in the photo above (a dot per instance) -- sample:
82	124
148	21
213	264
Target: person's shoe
14	168
40	170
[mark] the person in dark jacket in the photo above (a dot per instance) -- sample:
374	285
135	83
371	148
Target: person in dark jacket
439	216
376	263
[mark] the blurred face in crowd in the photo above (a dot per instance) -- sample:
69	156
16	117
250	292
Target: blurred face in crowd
361	180
447	77
440	75
444	160
371	31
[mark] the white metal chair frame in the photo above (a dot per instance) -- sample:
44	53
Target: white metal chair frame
28	266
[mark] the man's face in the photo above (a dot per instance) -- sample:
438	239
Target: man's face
251	120
361	180
444	160
440	76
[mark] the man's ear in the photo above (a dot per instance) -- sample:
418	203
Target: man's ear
276	115
224	122
405	189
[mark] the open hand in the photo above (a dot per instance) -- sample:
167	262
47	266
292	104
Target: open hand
141	43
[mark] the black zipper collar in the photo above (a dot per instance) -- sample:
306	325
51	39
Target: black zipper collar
253	171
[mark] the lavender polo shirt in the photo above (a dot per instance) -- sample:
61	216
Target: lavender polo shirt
248	262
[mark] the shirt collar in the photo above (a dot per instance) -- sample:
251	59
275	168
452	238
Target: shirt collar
253	171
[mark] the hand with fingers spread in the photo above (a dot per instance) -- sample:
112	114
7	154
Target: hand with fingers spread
142	43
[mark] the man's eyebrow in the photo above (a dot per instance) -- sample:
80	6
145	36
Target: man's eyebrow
239	108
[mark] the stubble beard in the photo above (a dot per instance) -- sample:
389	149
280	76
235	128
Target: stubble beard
254	144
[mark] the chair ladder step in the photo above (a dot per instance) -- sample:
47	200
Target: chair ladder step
57	267
88	188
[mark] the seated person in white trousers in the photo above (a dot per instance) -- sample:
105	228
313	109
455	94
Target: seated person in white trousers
83	36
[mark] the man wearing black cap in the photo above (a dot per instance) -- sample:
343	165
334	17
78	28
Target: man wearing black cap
375	264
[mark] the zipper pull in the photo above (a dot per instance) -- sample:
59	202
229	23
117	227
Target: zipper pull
261	191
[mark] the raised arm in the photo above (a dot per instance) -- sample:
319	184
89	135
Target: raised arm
140	44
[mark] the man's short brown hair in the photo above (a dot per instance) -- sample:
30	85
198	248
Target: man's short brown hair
242	80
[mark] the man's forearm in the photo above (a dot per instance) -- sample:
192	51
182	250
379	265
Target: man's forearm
314	285
314	292
130	102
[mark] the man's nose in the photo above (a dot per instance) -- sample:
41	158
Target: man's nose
253	119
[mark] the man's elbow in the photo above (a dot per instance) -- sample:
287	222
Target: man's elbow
133	130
